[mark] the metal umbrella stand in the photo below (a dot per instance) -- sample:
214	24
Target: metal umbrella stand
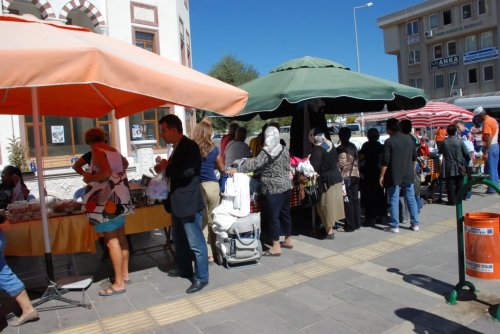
462	282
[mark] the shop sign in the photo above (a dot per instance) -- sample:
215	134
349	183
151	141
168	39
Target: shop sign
445	62
413	39
481	55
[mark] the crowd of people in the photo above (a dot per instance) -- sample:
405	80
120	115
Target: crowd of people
381	180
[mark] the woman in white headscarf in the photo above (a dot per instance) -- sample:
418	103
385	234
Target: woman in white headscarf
323	158
273	164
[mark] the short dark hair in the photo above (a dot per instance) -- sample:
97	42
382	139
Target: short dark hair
345	133
405	126
393	125
451	130
172	122
275	124
373	134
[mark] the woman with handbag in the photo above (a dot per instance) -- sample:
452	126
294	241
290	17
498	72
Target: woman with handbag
273	163
107	200
455	161
211	160
323	158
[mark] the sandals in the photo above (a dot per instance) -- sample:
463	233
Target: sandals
113	292
268	253
283	245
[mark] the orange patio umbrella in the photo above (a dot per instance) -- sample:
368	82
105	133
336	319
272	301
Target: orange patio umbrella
53	69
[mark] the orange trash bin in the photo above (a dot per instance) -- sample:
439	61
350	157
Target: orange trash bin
482	245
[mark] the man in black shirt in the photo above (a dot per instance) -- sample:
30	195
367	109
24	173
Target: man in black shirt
396	175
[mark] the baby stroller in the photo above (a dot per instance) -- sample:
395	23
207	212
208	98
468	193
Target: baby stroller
237	230
242	243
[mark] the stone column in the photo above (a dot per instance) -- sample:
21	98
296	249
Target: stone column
145	156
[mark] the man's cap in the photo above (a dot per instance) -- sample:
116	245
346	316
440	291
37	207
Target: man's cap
479	111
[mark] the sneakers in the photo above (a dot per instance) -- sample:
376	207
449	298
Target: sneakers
415	228
391	229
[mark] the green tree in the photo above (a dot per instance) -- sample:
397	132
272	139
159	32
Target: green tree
234	72
17	154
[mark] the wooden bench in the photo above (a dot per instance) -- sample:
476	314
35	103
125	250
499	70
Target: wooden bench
55	162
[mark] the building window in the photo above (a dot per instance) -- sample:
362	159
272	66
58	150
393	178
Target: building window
188	50
470	43
466	11
481	7
438	51
186	3
452	48
447	17
151	118
452	80
473	75
416	82
414	56
488	73
143	14
146	40
439	81
63	136
412	28
433	21
182	42
487	39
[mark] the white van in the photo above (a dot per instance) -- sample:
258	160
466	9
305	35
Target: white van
354	127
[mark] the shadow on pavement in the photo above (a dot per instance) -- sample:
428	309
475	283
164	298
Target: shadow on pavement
425	322
433	285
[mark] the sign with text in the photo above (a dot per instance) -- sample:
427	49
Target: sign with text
481	55
445	62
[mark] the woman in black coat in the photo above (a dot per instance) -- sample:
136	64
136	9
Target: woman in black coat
455	161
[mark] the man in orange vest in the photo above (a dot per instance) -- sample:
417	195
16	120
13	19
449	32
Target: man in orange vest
490	149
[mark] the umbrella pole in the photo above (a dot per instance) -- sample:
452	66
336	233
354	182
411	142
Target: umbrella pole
41	189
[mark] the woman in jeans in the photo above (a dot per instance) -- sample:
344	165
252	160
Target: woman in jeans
15	288
323	158
210	161
273	163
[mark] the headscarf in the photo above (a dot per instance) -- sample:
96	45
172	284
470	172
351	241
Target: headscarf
317	138
272	143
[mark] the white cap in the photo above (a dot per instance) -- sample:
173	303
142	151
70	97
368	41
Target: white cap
479	111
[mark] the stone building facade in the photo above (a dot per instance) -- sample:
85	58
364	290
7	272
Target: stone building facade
447	47
160	26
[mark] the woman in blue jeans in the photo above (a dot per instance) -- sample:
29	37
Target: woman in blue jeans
10	283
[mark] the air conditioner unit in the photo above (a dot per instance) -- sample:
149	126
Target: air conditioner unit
428	34
457	92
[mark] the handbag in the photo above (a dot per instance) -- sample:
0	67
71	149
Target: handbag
158	187
312	191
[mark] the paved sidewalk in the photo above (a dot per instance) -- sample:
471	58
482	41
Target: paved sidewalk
368	281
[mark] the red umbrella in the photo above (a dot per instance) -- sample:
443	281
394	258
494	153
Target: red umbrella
435	114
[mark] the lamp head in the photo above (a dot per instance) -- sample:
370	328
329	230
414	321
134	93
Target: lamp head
369	4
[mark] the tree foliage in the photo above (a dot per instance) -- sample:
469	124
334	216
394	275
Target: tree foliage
234	72
17	154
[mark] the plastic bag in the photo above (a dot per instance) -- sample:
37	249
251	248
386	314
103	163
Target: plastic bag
157	188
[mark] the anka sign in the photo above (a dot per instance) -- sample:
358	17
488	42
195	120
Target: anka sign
445	62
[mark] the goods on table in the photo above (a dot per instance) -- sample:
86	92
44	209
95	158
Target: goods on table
23	210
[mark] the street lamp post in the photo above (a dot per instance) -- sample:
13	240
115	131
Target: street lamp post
368	4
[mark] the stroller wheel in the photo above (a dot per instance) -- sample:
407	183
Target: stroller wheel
220	258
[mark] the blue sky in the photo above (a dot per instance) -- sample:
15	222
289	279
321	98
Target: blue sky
266	33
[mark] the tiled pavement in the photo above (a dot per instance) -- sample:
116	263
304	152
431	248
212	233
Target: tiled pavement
368	281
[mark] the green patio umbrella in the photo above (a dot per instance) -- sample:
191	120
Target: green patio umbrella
343	91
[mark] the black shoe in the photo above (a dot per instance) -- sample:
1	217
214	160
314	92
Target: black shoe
177	273
196	286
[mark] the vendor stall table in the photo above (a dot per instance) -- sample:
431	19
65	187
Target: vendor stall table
73	234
